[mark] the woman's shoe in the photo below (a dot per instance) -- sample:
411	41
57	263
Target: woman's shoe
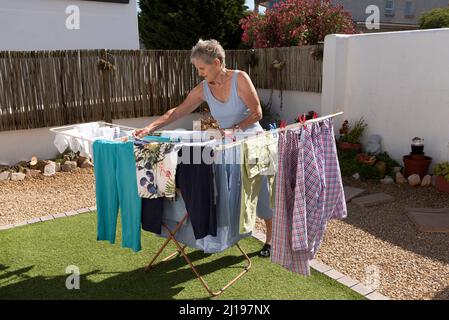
266	251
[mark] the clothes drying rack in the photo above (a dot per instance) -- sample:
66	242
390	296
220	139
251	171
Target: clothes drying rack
124	133
127	132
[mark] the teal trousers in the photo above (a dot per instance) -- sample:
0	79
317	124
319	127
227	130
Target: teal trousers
116	186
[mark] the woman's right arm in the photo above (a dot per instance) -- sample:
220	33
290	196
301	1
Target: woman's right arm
193	100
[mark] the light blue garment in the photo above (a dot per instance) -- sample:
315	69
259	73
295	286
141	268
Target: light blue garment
116	185
228	114
231	112
227	179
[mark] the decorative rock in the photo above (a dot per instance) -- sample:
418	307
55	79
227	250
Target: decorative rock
400	178
17	176
356	176
5	175
86	164
387	180
414	180
396	169
433	180
68	166
40	165
426	181
50	169
32	173
80	160
57	166
33	161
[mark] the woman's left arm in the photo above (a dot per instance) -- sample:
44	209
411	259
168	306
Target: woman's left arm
247	92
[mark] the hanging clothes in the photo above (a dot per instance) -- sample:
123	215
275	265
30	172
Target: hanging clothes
156	164
116	186
195	179
156	168
309	192
290	198
334	204
152	212
257	158
227	180
87	131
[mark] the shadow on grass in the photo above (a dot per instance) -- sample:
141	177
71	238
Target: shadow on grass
160	283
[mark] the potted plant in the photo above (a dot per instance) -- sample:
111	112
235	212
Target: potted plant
350	135
416	162
441	171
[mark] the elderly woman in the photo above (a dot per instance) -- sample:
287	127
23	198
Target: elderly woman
232	101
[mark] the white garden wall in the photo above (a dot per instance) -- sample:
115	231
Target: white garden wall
293	103
398	81
41	25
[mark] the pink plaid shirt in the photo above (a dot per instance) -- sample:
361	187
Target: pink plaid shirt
309	192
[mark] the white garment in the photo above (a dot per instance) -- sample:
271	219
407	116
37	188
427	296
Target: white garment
91	131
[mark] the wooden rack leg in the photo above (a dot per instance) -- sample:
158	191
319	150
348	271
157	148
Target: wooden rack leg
178	226
181	251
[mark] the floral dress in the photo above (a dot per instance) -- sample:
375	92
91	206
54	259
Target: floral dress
156	169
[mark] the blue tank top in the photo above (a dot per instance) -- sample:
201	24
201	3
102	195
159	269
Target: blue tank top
230	112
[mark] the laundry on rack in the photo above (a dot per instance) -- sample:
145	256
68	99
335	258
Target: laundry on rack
188	169
116	186
227	180
309	192
293	173
152	212
156	168
259	158
75	138
195	179
334	204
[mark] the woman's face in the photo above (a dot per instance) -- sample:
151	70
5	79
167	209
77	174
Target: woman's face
207	71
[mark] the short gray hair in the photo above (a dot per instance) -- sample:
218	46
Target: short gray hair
208	51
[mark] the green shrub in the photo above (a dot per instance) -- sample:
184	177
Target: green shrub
390	162
442	169
350	165
436	18
355	132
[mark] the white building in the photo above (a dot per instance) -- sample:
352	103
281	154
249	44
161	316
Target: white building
68	24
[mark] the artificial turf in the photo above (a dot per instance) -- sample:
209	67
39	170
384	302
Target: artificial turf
34	258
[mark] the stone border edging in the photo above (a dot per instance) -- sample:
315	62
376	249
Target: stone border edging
48	217
354	285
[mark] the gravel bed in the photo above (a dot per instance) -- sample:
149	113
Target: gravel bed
41	196
381	240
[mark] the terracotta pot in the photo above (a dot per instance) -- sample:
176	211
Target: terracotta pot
349	146
442	184
417	156
416	166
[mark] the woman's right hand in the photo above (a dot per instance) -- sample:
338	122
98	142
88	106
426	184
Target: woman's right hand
139	133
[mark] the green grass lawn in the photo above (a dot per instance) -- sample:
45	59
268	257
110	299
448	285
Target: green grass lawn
34	258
